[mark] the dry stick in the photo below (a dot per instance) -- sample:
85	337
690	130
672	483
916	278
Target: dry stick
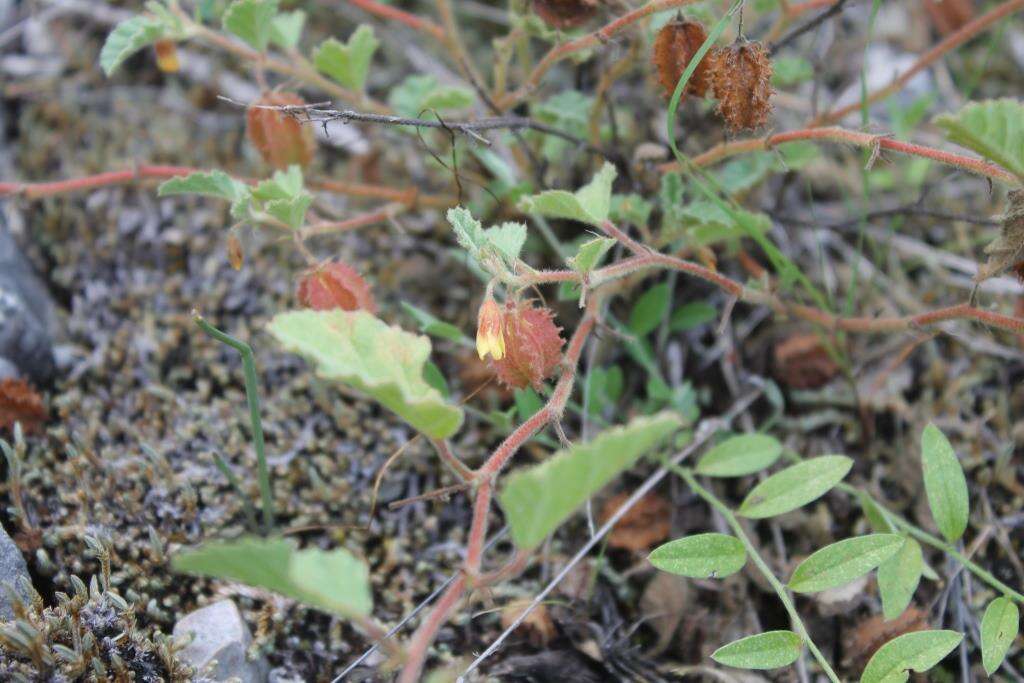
704	432
953	40
599	37
832	11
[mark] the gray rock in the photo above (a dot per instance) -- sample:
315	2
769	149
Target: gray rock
12	566
219	644
27	315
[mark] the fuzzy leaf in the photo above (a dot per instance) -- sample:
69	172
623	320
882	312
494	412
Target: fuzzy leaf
503	242
589	204
650	309
898	578
538	499
590	253
795	486
210	184
703	556
992	128
333	581
284	197
127	38
386	362
348	63
945	484
844	561
508	239
421	93
739	456
999	629
769	650
917	651
286	29
251	20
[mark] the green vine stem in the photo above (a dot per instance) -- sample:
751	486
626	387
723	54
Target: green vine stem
253	398
769	575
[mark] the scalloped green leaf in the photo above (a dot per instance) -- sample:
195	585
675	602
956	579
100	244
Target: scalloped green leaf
840	563
589	204
286	29
127	38
333	581
538	499
363	352
590	254
795	486
284	197
251	20
502	242
944	483
992	128
702	556
210	184
739	456
999	629
348	63
918	651
769	650
899	576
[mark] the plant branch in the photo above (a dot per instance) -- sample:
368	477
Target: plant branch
765	570
393	13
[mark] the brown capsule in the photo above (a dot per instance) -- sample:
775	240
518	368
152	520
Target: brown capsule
741	78
236	256
167	56
564	14
675	45
281	139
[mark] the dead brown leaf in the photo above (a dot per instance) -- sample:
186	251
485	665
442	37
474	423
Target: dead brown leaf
949	15
1007	250
663	605
537	626
872	633
19	402
645	524
803	362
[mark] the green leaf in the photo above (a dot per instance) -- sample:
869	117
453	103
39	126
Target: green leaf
538	499
508	239
918	651
503	242
769	650
284	197
844	561
704	223
210	184
739	456
251	20
357	349
795	486
334	581
590	253
433	376
433	326
945	484
650	309
787	71
589	204
348	63
421	93
704	556
876	516
998	631
691	316
127	38
567	111
898	578
527	403
286	29
992	128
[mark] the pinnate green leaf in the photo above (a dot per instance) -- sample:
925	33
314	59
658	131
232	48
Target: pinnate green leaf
127	38
363	352
992	128
348	63
945	484
589	204
333	581
251	20
917	651
795	486
769	650
844	561
538	499
898	578
703	556
740	455
999	629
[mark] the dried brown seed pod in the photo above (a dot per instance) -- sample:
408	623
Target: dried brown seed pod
281	139
741	77
676	44
564	14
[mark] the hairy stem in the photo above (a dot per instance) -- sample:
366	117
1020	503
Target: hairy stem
393	13
766	571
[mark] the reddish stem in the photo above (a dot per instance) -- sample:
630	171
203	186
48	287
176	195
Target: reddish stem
401	16
424	636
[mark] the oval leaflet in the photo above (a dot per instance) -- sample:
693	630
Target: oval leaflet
702	556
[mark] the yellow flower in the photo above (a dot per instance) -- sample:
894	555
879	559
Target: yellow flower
489	337
167	56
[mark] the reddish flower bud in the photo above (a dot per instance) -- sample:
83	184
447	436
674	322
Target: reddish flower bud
564	14
280	139
167	56
741	77
335	285
533	346
676	44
